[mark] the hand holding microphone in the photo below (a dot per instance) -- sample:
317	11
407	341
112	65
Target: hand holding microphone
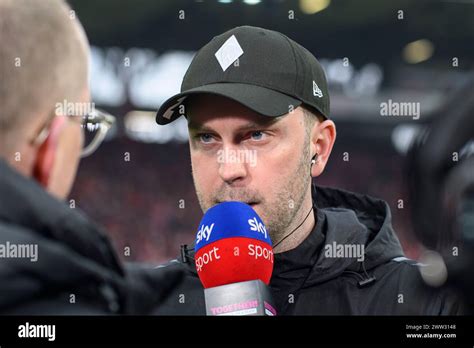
234	261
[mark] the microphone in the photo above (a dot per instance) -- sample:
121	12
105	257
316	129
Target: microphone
234	261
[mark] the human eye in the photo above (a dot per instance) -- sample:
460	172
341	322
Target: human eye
258	135
205	138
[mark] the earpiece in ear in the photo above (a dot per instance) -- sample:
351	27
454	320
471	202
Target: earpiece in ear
314	159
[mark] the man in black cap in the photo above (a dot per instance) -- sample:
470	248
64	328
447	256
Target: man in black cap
257	93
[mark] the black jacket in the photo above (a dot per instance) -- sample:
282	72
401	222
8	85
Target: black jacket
306	282
76	270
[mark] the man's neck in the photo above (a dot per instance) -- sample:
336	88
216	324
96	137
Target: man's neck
20	159
306	218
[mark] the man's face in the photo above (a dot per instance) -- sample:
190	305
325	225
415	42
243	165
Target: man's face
239	155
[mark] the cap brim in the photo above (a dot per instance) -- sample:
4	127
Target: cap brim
259	99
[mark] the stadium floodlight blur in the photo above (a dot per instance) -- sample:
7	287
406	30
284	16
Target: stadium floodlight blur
141	126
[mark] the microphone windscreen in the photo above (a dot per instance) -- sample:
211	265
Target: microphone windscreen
232	245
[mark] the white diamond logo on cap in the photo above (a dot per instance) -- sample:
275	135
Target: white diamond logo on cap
229	52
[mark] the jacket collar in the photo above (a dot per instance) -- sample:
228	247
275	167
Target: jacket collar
342	218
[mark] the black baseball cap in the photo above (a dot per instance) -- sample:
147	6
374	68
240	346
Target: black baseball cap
261	69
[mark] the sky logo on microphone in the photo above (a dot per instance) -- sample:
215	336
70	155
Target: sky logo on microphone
257	226
204	233
228	220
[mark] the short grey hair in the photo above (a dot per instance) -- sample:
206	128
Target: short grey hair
310	117
43	60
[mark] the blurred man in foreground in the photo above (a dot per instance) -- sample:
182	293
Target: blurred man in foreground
53	260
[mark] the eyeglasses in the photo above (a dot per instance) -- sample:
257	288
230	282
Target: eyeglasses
96	124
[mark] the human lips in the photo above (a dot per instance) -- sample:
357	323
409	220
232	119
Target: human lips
251	203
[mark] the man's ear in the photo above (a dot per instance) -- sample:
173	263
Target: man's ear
46	154
323	137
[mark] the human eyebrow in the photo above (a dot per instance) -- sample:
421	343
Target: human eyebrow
196	127
256	125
